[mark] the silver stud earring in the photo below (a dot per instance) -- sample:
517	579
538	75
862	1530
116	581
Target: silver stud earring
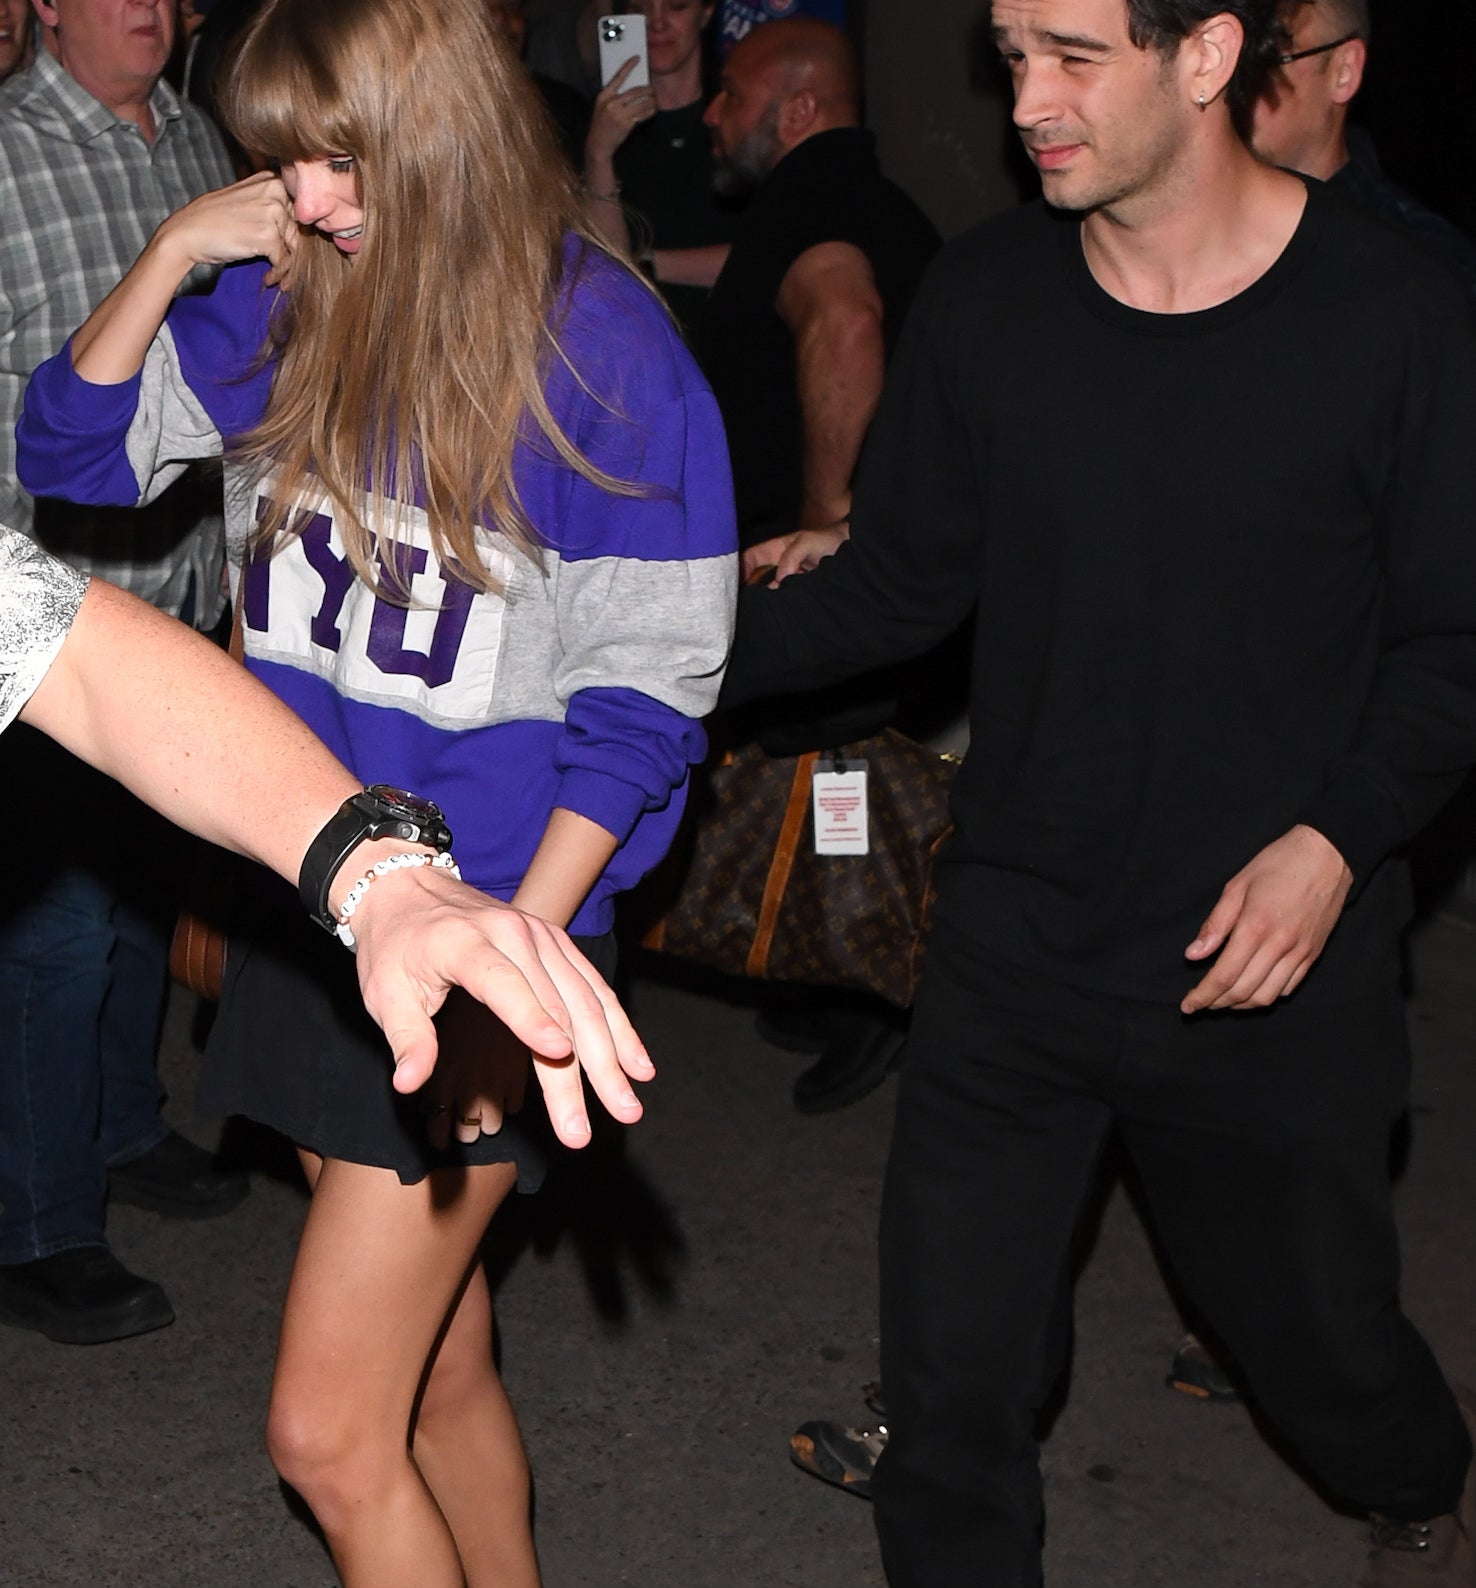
1203	103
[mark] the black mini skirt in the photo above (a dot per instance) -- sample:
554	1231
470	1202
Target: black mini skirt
293	1048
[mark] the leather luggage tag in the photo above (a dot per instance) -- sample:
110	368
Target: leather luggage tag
842	825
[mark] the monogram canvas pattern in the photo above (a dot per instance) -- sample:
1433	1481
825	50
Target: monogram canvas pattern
841	920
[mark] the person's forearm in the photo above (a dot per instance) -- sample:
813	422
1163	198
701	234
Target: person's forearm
567	864
840	362
602	206
248	220
149	702
909	574
112	343
690	267
187	729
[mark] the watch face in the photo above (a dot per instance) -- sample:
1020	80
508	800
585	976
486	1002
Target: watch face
420	810
417	820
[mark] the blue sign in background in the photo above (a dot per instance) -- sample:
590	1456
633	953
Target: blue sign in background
739	16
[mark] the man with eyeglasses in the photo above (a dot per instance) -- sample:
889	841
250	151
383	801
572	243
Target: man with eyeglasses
1300	121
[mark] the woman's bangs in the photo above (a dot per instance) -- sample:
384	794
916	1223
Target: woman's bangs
281	105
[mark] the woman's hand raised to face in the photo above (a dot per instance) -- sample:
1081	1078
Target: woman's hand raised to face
248	220
617	111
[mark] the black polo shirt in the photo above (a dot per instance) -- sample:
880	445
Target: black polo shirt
829	189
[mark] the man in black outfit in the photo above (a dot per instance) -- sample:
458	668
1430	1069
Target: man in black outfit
1225	665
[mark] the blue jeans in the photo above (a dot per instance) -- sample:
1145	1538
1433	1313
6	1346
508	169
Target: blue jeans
83	970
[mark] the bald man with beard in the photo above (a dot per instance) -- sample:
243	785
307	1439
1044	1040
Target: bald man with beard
802	320
795	341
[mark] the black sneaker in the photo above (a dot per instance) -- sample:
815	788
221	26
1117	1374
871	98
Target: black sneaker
178	1180
83	1296
845	1457
862	1052
1440	1553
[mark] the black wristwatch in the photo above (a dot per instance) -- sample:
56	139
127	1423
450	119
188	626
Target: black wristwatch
379	812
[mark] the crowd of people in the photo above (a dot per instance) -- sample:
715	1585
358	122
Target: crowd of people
470	500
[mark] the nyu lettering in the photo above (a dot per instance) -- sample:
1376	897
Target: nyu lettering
306	607
387	631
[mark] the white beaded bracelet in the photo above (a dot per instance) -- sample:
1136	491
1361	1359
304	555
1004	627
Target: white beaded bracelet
382	868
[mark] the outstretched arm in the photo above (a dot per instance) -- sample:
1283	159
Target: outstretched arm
690	267
149	702
908	573
483	1074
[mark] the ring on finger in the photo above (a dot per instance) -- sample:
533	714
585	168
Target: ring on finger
471	1119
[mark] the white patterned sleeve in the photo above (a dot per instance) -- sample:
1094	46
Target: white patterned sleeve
39	597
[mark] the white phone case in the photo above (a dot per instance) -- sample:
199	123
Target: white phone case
621	39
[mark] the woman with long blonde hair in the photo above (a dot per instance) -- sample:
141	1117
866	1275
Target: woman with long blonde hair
483	541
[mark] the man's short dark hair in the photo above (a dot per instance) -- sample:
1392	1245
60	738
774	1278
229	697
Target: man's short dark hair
1163	24
1347	16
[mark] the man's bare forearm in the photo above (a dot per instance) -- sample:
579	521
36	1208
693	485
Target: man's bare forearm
830	302
840	360
149	702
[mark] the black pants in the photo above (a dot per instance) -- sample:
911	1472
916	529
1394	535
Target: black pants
1262	1141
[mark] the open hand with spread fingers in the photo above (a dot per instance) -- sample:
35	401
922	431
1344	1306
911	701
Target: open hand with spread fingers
419	933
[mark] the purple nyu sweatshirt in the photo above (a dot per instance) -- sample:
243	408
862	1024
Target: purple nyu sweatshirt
579	684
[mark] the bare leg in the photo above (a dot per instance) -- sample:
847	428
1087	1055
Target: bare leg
470	1453
379	1267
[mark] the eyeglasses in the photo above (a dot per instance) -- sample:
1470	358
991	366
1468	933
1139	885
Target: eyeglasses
1317	49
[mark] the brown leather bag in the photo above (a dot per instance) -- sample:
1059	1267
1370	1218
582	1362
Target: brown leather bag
197	952
743	890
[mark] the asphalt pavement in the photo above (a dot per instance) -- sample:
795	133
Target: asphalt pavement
670	1309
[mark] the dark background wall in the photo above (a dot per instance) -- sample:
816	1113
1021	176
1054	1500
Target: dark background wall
941	112
1420	100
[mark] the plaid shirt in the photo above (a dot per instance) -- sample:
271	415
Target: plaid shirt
81	192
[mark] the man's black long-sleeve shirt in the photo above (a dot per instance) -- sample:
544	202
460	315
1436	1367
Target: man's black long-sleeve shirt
1225	568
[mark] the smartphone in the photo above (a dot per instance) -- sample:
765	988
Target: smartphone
621	39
